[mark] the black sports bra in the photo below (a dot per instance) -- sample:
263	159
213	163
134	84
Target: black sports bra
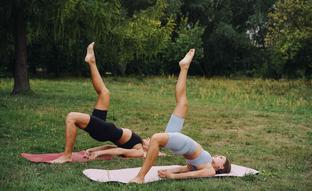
135	139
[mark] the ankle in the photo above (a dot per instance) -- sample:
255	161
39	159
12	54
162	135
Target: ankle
91	62
140	176
184	68
67	155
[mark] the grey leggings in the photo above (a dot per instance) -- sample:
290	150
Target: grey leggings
181	144
178	143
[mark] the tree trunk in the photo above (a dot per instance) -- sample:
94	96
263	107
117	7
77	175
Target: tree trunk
21	81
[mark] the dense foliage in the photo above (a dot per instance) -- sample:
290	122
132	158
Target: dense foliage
148	37
290	36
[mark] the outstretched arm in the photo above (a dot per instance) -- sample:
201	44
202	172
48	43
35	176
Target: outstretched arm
189	174
173	170
131	153
103	147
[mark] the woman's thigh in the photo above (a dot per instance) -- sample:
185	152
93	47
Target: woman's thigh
80	119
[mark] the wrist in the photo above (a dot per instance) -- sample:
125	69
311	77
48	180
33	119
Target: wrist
171	176
98	152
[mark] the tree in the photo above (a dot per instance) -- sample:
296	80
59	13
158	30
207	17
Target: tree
24	19
149	32
80	22
13	17
257	22
6	45
121	37
60	25
187	35
227	47
289	34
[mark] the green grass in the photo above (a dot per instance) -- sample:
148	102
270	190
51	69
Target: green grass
263	124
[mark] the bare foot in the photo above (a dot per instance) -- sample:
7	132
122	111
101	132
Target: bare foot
137	180
90	58
61	159
186	61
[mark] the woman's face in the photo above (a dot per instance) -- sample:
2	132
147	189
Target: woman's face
219	161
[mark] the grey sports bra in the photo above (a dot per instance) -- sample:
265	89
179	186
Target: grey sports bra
203	158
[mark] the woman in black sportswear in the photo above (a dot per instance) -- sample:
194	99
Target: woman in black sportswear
128	144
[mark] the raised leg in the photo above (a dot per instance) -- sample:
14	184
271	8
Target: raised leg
81	120
160	139
98	84
73	120
181	99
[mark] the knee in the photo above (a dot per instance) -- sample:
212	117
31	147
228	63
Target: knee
157	138
70	118
183	103
104	93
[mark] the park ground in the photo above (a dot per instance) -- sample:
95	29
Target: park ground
262	124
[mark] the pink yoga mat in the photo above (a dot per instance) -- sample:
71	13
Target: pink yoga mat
45	158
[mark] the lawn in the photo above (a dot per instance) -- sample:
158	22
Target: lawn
262	124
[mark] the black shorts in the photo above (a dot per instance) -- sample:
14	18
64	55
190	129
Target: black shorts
101	130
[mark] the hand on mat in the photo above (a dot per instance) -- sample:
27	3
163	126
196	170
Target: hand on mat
86	154
164	173
88	151
91	155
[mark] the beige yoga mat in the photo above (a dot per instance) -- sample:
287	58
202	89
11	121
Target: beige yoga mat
125	175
